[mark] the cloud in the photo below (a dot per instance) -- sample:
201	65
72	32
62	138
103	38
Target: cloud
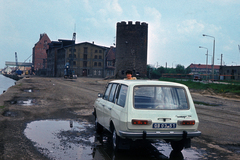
190	27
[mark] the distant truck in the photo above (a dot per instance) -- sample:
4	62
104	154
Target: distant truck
69	73
197	77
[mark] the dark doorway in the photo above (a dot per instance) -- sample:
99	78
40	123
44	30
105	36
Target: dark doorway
84	72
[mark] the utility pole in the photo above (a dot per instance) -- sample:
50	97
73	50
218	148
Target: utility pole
221	59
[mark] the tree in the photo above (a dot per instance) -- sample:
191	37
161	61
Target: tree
180	69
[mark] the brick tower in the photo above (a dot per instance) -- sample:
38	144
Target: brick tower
131	49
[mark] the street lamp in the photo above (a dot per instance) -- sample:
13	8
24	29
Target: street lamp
206	61
213	54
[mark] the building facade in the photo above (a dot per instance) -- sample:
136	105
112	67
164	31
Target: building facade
229	73
203	69
131	48
85	59
39	56
110	60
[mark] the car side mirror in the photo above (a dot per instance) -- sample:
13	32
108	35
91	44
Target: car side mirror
100	95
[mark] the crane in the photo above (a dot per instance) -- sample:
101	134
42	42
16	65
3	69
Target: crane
18	72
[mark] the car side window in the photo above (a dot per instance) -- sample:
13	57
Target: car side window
116	93
111	96
122	95
106	94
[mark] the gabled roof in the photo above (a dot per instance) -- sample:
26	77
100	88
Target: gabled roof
111	54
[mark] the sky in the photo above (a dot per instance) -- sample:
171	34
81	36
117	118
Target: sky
175	27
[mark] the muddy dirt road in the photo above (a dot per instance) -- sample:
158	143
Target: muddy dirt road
37	106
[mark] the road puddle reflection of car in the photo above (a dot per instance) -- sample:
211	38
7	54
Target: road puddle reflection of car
68	139
141	150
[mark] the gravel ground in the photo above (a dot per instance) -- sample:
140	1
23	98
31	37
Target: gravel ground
37	98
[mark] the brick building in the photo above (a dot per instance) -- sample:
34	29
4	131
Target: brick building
56	56
39	56
131	48
88	59
203	69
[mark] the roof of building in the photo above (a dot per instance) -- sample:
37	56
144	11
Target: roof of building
203	66
111	54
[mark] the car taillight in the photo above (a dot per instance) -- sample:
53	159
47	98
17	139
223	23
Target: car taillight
141	122
186	122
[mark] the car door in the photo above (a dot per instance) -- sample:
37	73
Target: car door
109	105
102	102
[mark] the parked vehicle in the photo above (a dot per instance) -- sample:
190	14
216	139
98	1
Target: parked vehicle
197	77
134	110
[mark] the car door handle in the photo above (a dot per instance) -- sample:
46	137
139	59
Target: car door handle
110	108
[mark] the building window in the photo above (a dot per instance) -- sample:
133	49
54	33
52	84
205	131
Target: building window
95	72
96	51
85	56
84	63
109	63
99	73
95	63
99	64
74	63
100	57
85	50
100	51
95	57
70	49
70	55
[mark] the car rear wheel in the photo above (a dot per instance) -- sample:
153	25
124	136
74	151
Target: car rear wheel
177	145
98	127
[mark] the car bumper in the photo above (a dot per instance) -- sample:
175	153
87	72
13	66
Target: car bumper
159	135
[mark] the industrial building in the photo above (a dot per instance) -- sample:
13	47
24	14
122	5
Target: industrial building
39	54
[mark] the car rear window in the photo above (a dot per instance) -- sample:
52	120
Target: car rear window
159	97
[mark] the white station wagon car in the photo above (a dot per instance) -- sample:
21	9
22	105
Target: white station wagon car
147	110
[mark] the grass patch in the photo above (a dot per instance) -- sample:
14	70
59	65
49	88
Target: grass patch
218	88
1	107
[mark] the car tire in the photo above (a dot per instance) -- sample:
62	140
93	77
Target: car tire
177	145
115	140
98	127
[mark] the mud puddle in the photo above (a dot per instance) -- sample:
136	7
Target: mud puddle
61	139
24	101
30	90
67	139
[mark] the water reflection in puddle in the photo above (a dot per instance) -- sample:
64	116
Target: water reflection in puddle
66	139
24	102
61	139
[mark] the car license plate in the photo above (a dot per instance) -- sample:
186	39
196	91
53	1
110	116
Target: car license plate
164	125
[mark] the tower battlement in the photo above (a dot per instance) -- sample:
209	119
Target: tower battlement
130	23
131	48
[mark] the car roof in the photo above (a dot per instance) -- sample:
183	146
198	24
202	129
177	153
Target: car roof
147	82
